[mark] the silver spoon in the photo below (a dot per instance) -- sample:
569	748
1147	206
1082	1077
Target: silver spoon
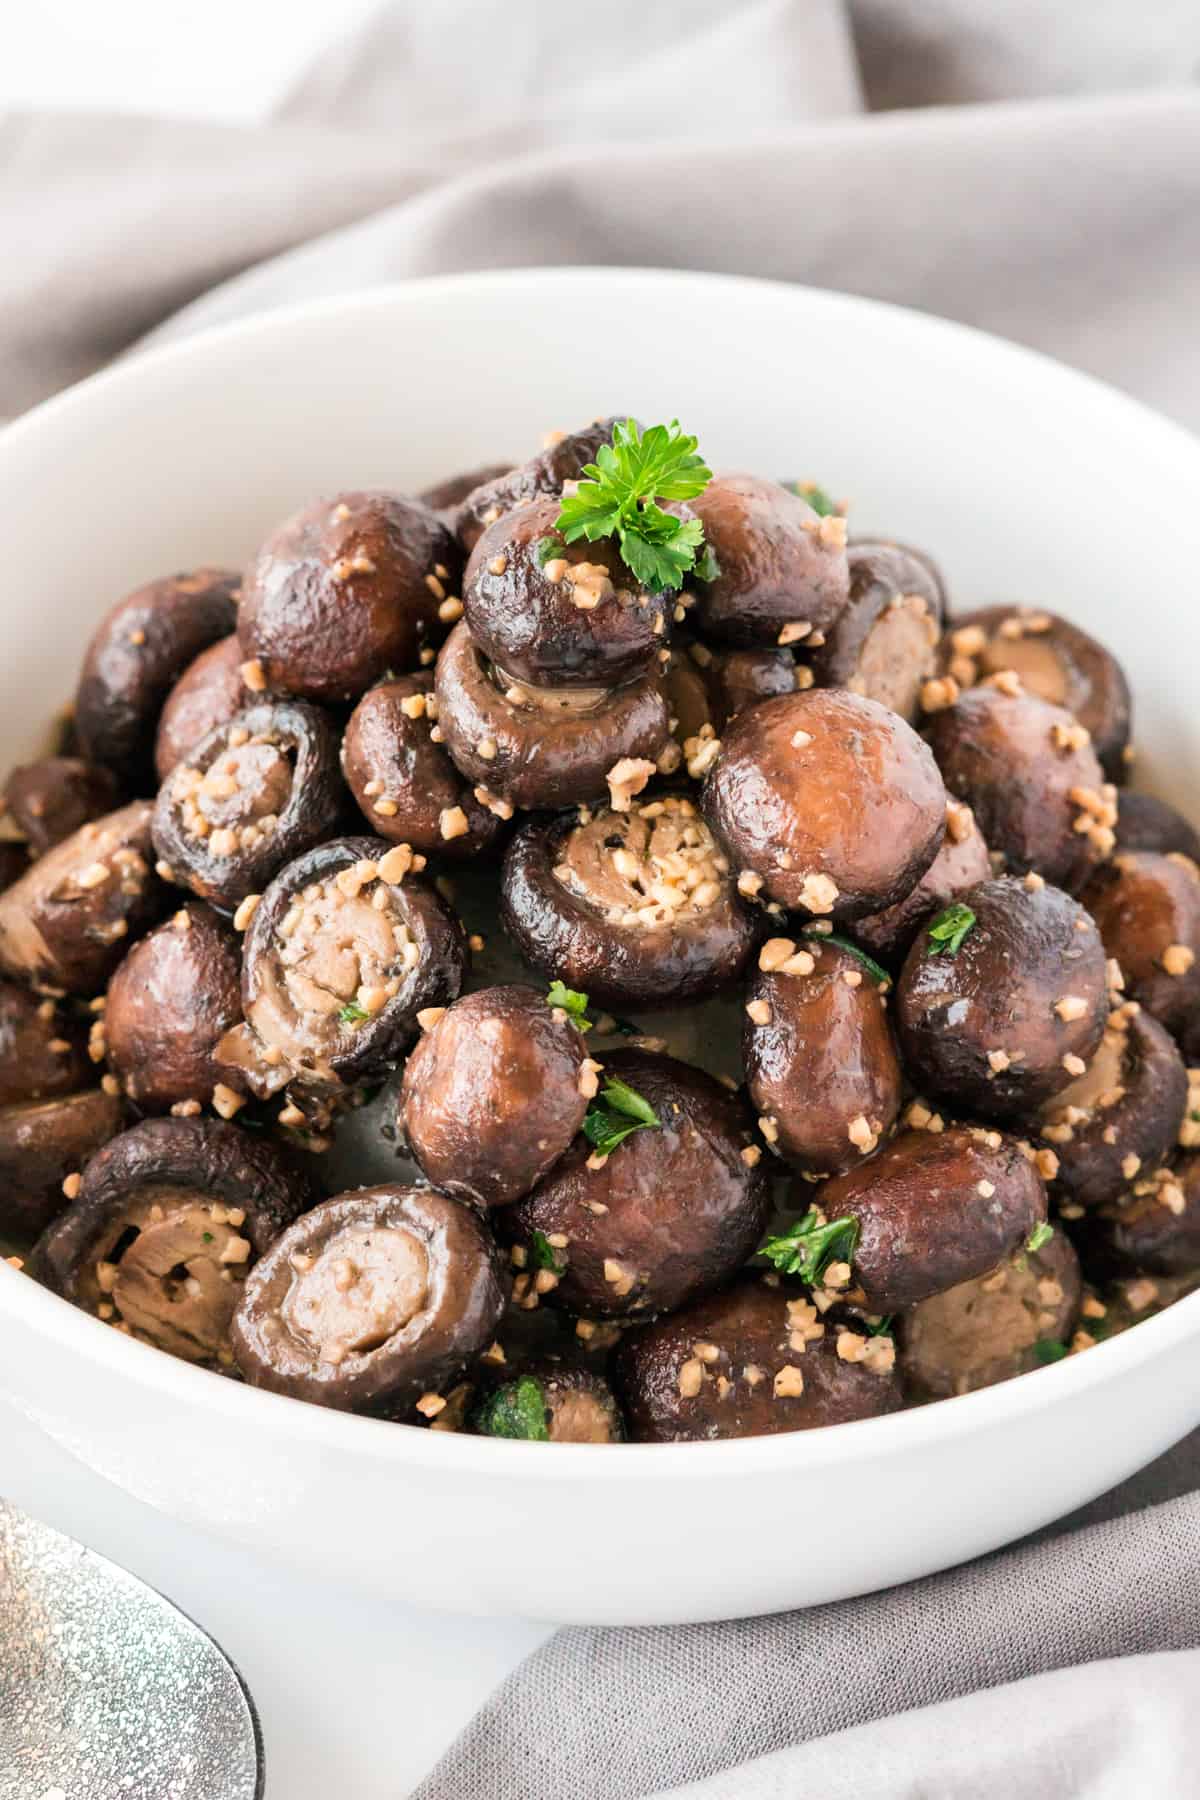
107	1692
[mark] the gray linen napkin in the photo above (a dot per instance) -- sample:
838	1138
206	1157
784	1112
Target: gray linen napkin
1061	206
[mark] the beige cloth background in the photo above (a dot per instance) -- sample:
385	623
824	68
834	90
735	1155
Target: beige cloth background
1031	166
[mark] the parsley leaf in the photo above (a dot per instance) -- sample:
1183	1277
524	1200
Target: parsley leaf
807	1248
1039	1237
207	1236
816	496
616	1114
875	970
1050	1350
516	1410
617	499
570	1001
542	1253
882	1327
707	566
352	1014
546	549
949	930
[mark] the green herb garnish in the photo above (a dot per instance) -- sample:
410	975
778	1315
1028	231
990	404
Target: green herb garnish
617	499
207	1236
571	1002
707	567
1050	1350
882	1327
874	969
541	1251
816	496
516	1410
949	930
352	1014
614	1115
1039	1237
807	1248
546	549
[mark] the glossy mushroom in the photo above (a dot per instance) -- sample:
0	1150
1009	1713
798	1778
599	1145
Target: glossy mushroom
747	1362
248	798
1144	822
635	908
43	1146
1152	1228
1003	999
169	1003
211	692
371	1300
674	1208
781	569
42	1042
1147	907
494	1093
961	863
345	590
50	799
552	1404
883	643
563	459
826	802
446	497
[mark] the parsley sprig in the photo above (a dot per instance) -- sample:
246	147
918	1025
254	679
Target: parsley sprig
572	1002
807	1248
615	1114
516	1410
949	930
618	496
1039	1237
877	973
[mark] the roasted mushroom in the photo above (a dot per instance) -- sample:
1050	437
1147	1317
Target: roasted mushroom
993	1327
933	1209
749	1361
494	1093
1003	998
826	802
168	1218
780	568
1054	660
210	692
543	747
553	614
404	780
43	1146
169	1003
961	863
1144	822
139	650
1123	1114
1152	1228
820	1059
248	798
50	799
563	459
549	1404
883	643
1029	774
68	920
636	908
41	1046
1147	907
345	590
737	678
371	1300
14	861
446	497
344	954
663	1198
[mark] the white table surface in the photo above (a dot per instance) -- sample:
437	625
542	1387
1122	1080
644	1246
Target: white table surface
357	1698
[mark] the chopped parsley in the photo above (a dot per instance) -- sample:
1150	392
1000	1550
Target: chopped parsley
1039	1237
352	1014
615	1114
807	1248
816	496
571	1002
617	498
948	931
881	1327
541	1252
207	1236
546	549
1050	1350
516	1410
874	970
707	567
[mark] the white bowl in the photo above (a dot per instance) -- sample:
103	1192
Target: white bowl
1026	481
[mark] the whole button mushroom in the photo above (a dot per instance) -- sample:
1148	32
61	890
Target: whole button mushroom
1152	1228
884	641
371	1300
495	1092
1028	771
43	1146
636	908
821	1064
139	650
780	567
345	590
934	1209
539	746
446	497
1144	822
706	687
42	1050
169	1003
248	798
1054	660
998	1325
211	691
554	614
961	863
1122	1115
564	458
168	1218
1003	998
827	802
404	780
345	956
750	1361
51	799
663	1197
69	920
1147	907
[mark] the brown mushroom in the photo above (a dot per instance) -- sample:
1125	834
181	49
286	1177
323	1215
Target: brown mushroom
50	799
883	643
961	863
780	568
1147	907
549	1403
42	1050
169	1003
1152	1228
210	692
43	1146
1144	822
564	458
